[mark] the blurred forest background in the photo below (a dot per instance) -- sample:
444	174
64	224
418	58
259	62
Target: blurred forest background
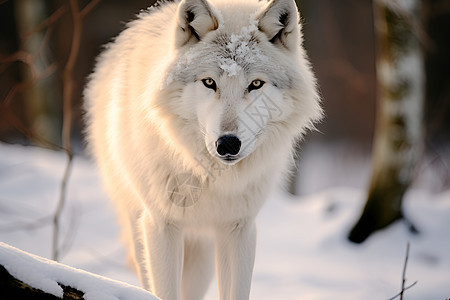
339	37
36	45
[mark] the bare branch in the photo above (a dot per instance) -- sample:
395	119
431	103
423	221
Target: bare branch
18	124
403	289
28	59
67	120
47	23
19	56
20	87
68	87
88	8
401	293
59	208
69	235
18	226
404	272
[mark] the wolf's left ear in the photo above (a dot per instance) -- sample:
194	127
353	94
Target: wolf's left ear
280	22
195	20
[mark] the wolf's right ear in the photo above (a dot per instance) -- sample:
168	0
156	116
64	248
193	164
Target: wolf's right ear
195	20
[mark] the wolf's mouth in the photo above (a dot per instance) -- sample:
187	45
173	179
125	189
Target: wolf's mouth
230	159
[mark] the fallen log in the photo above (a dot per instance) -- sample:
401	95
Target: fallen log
13	288
26	276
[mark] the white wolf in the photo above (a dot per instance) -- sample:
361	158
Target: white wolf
193	113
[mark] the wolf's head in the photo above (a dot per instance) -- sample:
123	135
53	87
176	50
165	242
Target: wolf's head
242	74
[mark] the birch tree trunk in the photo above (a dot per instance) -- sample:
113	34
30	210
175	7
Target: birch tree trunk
399	133
39	100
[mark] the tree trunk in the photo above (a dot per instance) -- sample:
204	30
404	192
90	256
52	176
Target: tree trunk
399	133
39	97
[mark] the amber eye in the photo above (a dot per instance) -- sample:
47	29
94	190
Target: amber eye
256	84
209	83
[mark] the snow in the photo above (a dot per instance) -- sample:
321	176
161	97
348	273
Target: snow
240	49
45	275
302	250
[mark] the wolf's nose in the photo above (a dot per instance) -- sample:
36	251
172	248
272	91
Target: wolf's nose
228	145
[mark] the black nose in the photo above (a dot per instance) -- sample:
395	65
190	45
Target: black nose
228	145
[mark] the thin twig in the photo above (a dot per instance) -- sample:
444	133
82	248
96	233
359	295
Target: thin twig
19	56
68	87
70	234
404	272
32	225
48	22
22	86
29	60
403	289
88	8
60	206
67	120
401	293
27	57
18	124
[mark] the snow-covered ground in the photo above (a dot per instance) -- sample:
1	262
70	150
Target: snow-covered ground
302	251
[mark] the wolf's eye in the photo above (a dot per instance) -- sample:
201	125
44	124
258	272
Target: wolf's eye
256	84
210	83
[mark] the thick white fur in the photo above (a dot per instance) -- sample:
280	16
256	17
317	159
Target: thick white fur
151	120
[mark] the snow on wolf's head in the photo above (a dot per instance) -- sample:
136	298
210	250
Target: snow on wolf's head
243	74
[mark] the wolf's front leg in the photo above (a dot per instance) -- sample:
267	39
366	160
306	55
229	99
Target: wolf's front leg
235	256
164	243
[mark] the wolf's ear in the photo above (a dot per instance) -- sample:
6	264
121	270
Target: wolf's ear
279	20
195	20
